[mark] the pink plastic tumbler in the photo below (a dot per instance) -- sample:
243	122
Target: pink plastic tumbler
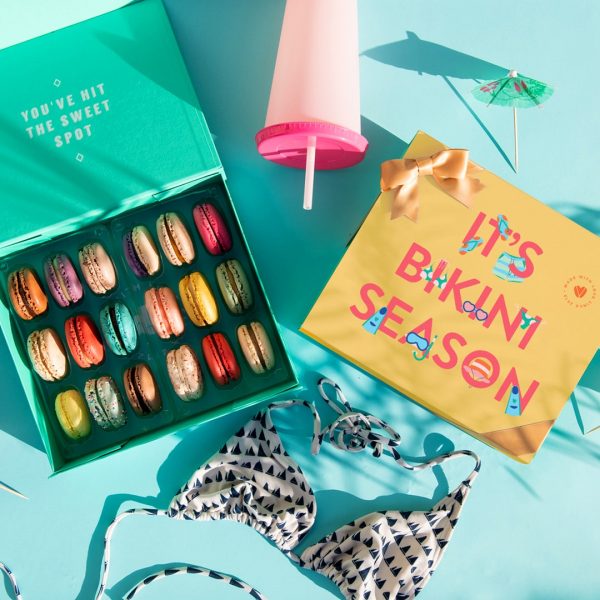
313	118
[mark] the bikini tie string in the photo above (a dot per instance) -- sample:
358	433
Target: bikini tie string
353	430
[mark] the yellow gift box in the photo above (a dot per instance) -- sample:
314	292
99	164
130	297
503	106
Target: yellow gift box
467	295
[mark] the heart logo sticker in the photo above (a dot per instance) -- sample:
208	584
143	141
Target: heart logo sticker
580	291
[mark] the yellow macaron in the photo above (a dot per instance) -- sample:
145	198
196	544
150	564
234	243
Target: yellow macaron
72	414
198	299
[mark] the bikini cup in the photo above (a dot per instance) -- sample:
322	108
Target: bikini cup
383	556
388	555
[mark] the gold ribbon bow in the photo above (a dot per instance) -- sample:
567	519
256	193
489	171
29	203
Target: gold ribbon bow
450	168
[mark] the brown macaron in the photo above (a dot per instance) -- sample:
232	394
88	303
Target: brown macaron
142	391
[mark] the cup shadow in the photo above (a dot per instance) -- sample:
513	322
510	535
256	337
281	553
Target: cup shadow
424	57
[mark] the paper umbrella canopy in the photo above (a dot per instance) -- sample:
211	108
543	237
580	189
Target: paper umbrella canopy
515	91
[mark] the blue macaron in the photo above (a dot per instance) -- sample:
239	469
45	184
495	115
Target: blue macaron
118	328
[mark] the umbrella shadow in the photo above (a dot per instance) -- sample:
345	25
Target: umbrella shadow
423	57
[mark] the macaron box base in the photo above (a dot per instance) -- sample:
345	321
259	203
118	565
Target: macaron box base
122	350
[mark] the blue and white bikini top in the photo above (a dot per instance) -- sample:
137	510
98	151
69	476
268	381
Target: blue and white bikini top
385	555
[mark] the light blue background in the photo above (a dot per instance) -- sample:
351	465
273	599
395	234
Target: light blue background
527	532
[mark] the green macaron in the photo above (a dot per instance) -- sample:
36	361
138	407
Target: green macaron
118	328
234	286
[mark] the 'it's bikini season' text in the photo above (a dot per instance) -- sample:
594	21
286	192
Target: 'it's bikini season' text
67	118
457	289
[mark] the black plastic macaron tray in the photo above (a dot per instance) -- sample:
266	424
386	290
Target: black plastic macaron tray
205	212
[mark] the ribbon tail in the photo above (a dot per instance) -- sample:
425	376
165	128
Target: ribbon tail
463	190
405	201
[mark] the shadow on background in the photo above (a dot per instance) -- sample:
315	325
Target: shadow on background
415	54
342	199
335	508
586	216
195	448
16	418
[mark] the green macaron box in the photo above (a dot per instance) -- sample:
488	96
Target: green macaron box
102	139
151	349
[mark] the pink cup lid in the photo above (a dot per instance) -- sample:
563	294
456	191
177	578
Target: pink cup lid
337	147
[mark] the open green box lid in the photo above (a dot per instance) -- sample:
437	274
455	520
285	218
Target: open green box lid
95	116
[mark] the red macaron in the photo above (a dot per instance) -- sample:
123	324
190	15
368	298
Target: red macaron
84	341
212	228
221	360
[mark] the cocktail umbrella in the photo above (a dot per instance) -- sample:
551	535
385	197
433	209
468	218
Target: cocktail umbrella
515	91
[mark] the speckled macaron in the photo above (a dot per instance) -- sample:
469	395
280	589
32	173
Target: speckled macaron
97	268
62	280
234	286
47	354
184	372
104	401
174	239
26	293
256	347
164	312
220	358
84	341
212	228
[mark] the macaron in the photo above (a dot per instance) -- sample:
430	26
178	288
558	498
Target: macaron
83	339
212	229
97	268
104	401
141	389
26	294
118	328
47	354
198	299
72	414
164	312
234	286
256	347
221	360
175	239
63	281
140	252
184	371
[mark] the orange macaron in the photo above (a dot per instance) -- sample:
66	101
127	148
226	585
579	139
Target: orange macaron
26	294
83	339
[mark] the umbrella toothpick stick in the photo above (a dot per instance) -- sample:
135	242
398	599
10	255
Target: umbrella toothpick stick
516	139
516	91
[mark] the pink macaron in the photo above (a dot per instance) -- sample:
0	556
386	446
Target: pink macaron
212	229
63	281
164	312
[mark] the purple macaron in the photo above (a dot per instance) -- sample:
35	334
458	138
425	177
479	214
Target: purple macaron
131	256
62	279
141	252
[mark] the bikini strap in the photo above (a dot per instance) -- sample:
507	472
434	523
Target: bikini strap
315	441
13	581
353	431
181	570
194	570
